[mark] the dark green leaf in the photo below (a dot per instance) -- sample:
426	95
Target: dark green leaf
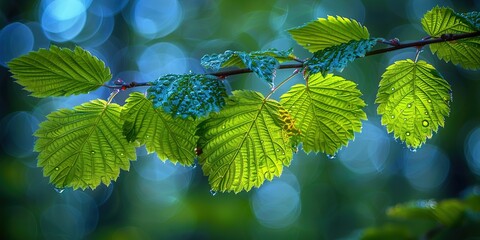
337	57
189	95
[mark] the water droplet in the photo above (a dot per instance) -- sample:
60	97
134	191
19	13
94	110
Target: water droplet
393	89
308	44
425	123
283	153
426	113
409	105
429	100
393	116
147	136
278	150
213	192
92	152
223	127
56	169
407	133
404	119
59	190
261	141
121	154
331	156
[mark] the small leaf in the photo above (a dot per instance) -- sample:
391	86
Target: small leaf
59	72
172	138
324	33
83	147
465	52
262	63
337	57
246	143
413	100
328	110
189	95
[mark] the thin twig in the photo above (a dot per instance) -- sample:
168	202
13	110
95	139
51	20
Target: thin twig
396	45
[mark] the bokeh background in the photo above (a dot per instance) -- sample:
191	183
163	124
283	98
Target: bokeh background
317	197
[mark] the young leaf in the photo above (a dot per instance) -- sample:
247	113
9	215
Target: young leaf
328	110
262	63
245	143
59	72
172	138
83	147
465	52
337	57
413	100
189	95
323	33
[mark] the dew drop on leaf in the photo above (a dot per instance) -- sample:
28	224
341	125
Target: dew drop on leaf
213	192
393	116
426	113
56	169
409	105
407	133
59	190
92	152
425	123
404	119
223	127
393	89
429	101
121	154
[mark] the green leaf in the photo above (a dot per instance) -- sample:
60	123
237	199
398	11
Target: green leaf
337	57
247	142
413	100
262	63
465	52
324	33
447	212
172	138
59	72
83	147
328	110
188	95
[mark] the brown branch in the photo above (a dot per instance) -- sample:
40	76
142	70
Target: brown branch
300	63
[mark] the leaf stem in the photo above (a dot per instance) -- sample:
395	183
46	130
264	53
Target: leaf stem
281	83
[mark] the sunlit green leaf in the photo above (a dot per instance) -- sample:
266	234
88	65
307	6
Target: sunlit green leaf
262	63
245	143
328	110
83	147
337	57
188	95
413	100
59	72
171	138
465	52
327	32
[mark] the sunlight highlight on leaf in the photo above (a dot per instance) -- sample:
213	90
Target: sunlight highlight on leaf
171	138
327	32
465	52
246	143
328	110
83	147
59	72
413	100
